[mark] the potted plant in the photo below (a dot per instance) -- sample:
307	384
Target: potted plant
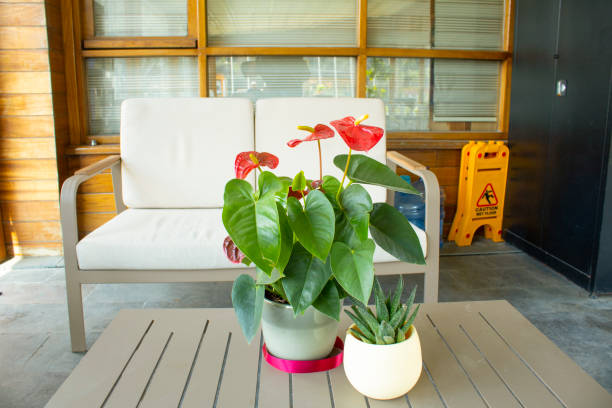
308	240
385	343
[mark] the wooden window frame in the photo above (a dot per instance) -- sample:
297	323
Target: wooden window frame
80	43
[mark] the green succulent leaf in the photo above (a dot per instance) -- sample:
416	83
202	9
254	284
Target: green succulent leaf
397	296
410	320
299	182
393	233
365	170
253	223
399	317
305	278
313	225
389	339
382	313
400	336
354	269
361	324
411	297
363	313
361	337
386	329
328	302
247	299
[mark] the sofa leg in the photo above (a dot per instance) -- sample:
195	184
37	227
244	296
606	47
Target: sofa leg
75	316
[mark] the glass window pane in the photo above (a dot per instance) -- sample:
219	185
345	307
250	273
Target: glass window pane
111	80
403	84
140	18
399	23
268	76
465	91
435	95
282	23
469	24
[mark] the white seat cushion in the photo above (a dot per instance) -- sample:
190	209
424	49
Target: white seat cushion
157	239
276	120
167	239
180	152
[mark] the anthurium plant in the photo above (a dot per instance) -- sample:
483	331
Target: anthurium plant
308	238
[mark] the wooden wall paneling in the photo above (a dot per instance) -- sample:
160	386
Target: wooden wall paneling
34	249
24	60
29	210
32	232
16	14
29	190
70	44
95	202
26	126
16	38
202	35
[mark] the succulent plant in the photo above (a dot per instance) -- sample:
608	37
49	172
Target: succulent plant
390	323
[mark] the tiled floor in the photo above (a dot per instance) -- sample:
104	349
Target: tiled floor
35	356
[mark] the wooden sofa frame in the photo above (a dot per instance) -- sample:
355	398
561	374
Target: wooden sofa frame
75	277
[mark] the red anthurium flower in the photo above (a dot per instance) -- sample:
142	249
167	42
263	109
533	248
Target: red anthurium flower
247	161
231	251
319	132
297	193
358	137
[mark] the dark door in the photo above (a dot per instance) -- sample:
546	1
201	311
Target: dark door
578	142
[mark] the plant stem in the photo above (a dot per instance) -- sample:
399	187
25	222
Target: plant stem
348	160
320	162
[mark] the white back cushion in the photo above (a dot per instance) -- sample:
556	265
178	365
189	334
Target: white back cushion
276	121
180	152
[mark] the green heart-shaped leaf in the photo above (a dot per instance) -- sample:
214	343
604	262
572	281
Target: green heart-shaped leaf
248	298
393	233
353	268
366	170
299	182
265	279
305	278
330	188
313	225
286	238
253	224
356	206
328	301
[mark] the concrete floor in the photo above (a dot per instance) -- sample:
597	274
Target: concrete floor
34	346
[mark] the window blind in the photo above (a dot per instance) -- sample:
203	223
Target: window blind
111	80
399	23
469	24
403	84
465	90
269	76
282	23
140	18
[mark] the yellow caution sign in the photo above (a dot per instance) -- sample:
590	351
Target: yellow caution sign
482	188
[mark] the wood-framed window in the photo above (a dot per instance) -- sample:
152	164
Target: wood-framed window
442	67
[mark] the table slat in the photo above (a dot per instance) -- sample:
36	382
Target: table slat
311	390
495	393
424	394
132	383
240	371
202	386
546	358
524	385
93	378
273	387
345	396
452	383
169	380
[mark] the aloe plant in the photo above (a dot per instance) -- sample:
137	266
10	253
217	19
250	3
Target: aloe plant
390	323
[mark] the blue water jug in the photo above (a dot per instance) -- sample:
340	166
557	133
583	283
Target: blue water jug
413	205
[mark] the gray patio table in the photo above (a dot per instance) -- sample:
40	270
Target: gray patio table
475	354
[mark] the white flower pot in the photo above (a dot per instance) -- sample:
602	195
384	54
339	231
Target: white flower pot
383	371
307	336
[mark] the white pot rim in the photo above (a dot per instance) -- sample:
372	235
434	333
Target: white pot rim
411	332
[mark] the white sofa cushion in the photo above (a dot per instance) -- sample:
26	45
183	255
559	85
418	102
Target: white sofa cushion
180	152
167	239
157	239
276	120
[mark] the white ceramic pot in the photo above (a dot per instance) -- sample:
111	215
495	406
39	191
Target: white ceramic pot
383	371
307	336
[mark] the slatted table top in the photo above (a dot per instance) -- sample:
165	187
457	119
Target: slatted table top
475	354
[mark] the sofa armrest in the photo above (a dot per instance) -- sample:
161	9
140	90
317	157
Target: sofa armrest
68	210
432	199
